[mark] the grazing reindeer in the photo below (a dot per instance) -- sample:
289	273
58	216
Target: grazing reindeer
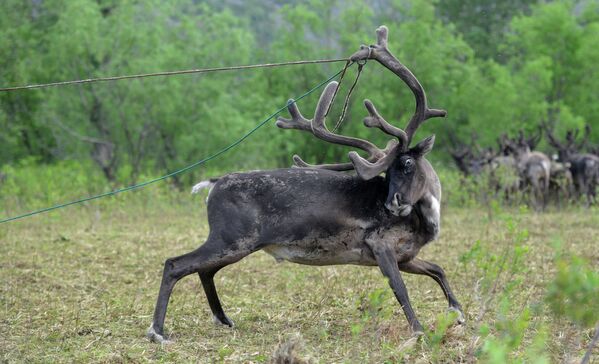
534	167
584	166
317	215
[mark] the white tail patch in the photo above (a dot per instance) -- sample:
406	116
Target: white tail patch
202	185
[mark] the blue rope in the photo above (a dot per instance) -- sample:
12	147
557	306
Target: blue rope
179	171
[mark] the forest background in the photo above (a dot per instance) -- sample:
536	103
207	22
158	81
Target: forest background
495	66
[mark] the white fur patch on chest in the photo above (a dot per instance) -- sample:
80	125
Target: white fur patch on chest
431	210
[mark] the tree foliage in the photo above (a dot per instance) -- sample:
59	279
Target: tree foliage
495	66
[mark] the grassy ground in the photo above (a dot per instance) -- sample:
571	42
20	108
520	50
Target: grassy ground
80	285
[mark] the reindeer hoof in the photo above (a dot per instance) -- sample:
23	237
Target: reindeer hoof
417	335
156	338
460	319
225	321
417	331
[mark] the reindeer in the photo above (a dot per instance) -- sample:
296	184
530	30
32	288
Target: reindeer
497	172
534	167
583	166
468	163
318	215
471	160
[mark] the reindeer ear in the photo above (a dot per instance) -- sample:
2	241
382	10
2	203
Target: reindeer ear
423	147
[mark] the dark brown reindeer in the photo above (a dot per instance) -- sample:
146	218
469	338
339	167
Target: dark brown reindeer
583	166
317	215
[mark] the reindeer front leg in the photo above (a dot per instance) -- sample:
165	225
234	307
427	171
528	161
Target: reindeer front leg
418	266
385	258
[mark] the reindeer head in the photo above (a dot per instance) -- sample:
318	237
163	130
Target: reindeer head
409	178
409	175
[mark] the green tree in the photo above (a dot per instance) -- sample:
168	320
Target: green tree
556	41
483	23
144	123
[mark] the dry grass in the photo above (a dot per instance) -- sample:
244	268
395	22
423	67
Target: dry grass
80	285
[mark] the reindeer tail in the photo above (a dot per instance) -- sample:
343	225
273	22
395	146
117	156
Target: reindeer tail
204	184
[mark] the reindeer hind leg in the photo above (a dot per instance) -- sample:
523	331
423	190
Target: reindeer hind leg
206	261
218	315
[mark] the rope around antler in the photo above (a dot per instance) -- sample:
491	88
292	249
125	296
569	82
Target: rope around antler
347	97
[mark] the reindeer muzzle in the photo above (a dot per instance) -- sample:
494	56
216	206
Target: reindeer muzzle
398	208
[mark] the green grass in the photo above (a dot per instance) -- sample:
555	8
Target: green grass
79	285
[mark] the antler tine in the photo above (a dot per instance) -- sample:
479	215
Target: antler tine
297	121
375	120
381	53
320	130
521	138
571	138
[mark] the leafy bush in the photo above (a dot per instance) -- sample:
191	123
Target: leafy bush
574	292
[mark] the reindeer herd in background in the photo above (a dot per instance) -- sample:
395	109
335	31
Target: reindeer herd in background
571	173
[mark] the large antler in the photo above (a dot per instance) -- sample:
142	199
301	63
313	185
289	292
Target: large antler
378	160
381	54
571	136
